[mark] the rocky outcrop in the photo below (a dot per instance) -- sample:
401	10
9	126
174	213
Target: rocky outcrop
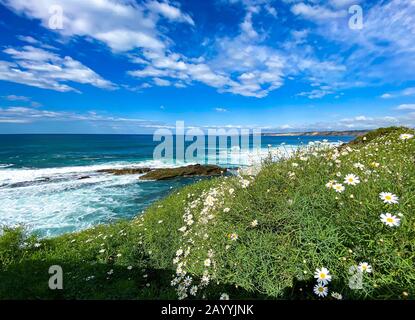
124	171
169	173
187	171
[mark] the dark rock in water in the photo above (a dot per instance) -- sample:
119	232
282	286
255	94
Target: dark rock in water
119	172
84	177
188	171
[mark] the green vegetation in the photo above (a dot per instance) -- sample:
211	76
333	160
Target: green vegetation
248	237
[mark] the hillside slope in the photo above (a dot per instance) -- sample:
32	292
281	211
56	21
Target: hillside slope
347	212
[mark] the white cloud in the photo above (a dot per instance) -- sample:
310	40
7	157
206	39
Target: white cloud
122	25
388	35
43	69
161	82
406	107
170	12
221	110
316	94
13	97
403	93
25	115
316	13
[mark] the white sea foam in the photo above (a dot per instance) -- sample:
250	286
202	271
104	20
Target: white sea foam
12	175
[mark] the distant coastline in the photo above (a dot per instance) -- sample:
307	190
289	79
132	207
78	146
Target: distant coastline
318	133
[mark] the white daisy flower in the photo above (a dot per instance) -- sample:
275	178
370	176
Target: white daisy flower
406	136
338	187
330	184
207	263
351	179
364	267
388	197
226	210
320	290
224	296
322	275
336	295
254	223
193	290
390	220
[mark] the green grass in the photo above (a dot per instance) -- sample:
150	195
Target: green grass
301	225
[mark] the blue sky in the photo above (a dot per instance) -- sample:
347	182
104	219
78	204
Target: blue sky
132	66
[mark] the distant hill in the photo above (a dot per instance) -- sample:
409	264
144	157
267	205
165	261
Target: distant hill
318	133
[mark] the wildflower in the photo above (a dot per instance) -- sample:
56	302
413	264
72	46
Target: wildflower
129	267
330	184
210	201
207	262
231	191
205	279
244	183
226	210
320	290
233	236
193	290
390	220
406	136
351	179
375	164
364	267
187	281
110	272
254	223
322	275
102	251
358	165
336	295
224	296
179	252
338	187
295	164
388	197
183	229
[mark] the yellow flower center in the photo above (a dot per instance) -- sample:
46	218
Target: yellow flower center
321	289
388	197
322	276
389	220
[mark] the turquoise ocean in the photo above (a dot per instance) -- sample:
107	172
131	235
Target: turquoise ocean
50	185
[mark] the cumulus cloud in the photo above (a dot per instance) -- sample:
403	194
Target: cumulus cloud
406	106
43	69
122	25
